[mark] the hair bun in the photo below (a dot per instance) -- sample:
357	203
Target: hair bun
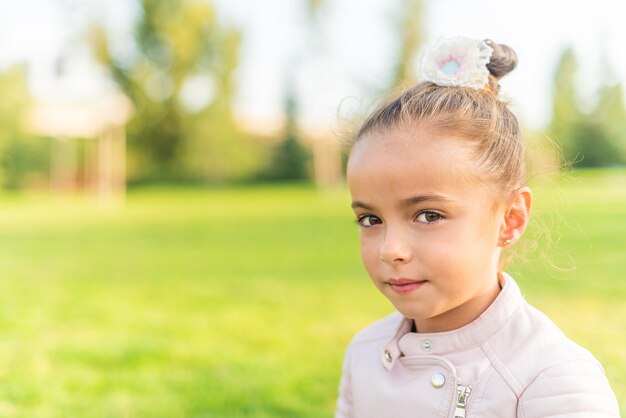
503	60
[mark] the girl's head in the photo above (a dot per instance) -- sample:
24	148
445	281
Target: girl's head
437	182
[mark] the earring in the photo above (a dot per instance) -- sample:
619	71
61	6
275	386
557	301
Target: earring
506	242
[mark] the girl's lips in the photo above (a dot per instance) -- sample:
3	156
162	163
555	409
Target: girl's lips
404	286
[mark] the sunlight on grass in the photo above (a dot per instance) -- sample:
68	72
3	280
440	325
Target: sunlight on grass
240	302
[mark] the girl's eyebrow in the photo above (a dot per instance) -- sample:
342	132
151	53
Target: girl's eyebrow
407	202
356	204
424	198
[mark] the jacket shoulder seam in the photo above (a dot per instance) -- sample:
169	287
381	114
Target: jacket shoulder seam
552	366
520	404
511	380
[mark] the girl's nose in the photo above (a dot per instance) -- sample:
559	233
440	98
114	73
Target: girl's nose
395	248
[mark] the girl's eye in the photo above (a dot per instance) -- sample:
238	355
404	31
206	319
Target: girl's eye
428	217
369	220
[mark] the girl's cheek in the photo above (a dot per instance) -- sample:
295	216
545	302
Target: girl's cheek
369	252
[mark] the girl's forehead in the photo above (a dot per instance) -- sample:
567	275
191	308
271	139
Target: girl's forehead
405	162
414	149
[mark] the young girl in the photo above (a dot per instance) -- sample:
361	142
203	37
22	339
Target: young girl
437	183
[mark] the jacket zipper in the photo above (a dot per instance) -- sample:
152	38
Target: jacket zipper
463	392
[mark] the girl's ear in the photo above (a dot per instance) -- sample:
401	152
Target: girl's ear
516	216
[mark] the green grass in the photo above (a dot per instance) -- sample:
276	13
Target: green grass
240	302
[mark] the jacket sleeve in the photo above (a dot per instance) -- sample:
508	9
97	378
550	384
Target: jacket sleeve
577	388
344	402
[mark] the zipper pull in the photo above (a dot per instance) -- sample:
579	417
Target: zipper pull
463	393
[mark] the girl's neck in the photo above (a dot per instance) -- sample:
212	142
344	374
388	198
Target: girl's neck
461	315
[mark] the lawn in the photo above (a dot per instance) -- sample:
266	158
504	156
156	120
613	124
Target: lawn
240	302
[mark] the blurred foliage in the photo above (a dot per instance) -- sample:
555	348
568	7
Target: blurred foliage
565	111
409	32
24	158
314	7
592	141
180	81
290	159
180	77
611	114
596	138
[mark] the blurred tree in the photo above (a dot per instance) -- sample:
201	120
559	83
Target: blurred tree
23	158
290	158
595	146
407	27
180	81
314	8
410	38
610	113
565	111
590	139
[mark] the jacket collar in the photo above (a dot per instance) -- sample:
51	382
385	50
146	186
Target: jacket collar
471	335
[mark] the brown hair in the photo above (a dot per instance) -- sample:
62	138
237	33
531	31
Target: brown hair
478	115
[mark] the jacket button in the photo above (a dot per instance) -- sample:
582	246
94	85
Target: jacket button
437	380
388	357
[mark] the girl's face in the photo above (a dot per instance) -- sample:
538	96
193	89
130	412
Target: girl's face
430	231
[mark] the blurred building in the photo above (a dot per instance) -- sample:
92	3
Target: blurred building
99	121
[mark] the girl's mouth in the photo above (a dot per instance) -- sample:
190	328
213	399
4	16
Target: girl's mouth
404	286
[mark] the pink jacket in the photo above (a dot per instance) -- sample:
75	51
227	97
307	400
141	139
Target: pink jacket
510	362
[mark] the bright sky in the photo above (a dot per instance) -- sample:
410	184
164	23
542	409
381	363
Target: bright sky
342	68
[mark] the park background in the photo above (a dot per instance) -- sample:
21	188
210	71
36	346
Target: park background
175	231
